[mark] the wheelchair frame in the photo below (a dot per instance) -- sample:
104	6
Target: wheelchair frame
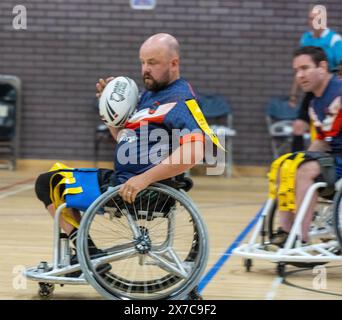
293	250
55	273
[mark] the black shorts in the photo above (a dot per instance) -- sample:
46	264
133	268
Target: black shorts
303	113
105	177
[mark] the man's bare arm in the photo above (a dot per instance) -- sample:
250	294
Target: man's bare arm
181	160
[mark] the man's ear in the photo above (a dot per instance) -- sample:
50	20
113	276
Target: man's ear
175	62
324	65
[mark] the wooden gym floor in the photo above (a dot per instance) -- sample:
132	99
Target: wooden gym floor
227	205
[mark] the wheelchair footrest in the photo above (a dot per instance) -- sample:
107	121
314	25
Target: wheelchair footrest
320	252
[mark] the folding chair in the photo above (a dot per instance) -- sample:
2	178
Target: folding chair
279	120
10	101
219	115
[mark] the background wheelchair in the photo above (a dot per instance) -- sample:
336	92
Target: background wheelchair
155	248
325	235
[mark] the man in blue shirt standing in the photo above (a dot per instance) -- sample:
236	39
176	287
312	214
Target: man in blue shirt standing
331	42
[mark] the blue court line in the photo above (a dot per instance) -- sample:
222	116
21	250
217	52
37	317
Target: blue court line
226	255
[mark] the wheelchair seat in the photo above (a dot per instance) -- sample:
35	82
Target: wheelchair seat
180	182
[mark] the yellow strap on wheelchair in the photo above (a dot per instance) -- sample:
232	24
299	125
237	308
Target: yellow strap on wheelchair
55	195
313	132
59	166
283	182
202	122
291	181
273	175
72	191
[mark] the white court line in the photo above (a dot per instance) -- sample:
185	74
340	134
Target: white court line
275	284
18	190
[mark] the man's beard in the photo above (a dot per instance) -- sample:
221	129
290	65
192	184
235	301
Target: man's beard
154	85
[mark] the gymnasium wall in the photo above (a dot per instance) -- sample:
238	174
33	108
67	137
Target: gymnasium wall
240	49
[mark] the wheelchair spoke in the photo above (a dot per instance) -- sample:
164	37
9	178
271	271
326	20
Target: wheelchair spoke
148	206
128	211
125	233
104	230
156	202
119	252
117	206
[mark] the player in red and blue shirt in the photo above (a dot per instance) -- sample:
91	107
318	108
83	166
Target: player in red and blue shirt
161	109
310	65
145	152
150	134
326	115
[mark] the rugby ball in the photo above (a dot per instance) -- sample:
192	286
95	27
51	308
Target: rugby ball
118	101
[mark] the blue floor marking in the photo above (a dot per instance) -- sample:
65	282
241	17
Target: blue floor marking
226	255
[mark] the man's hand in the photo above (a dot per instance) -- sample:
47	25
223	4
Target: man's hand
101	85
132	187
292	101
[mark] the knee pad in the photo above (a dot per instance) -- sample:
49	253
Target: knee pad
42	188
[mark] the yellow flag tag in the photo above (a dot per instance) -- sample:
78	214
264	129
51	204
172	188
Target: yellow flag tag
202	122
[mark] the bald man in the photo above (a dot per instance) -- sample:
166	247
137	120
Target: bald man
165	95
161	107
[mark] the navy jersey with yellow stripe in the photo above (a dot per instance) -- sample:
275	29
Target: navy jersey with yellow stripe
161	123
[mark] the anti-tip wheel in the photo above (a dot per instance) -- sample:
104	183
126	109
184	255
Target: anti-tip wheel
46	289
248	263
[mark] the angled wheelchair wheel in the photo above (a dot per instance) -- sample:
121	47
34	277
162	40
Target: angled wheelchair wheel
273	224
321	225
156	248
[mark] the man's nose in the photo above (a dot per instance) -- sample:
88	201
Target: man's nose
299	74
145	69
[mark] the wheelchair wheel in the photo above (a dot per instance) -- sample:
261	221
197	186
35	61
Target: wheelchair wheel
45	289
337	213
157	248
272	229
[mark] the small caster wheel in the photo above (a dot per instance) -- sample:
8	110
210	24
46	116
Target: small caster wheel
46	289
248	264
281	267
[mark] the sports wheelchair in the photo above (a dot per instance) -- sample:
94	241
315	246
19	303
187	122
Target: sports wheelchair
155	248
325	234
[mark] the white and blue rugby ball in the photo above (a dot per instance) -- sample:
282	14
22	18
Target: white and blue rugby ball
118	101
